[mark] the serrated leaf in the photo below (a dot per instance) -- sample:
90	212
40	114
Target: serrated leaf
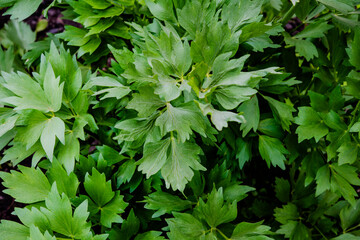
110	213
311	125
28	186
287	213
182	160
54	128
184	227
145	102
62	219
215	211
98	188
220	118
65	183
314	30
35	234
272	151
164	203
282	112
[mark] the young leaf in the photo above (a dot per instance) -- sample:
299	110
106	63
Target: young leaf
28	186
13	230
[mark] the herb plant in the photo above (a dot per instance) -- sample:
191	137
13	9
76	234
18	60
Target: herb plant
211	120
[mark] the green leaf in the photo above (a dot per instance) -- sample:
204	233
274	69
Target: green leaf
231	96
322	180
164	203
35	234
182	160
251	111
54	127
305	48
215	211
65	183
28	93
69	152
282	112
314	30
23	9
33	217
183	120
245	230
13	230
152	235
348	153
28	186
161	9
184	227
145	102
154	157
287	213
220	118
354	50
98	188
110	212
113	88
349	215
129	227
343	6
18	33
59	212
272	151
311	125
53	91
244	153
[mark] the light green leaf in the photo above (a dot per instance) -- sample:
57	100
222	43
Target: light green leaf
348	153
59	212
33	217
220	118
54	127
182	160
28	186
98	188
53	91
23	9
154	157
183	120
35	234
231	96
13	230
65	183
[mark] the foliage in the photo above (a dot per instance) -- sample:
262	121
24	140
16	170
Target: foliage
214	120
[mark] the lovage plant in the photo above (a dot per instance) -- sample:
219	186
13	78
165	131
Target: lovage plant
173	119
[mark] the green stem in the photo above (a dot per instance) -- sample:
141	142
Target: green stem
222	234
317	229
288	15
352	228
